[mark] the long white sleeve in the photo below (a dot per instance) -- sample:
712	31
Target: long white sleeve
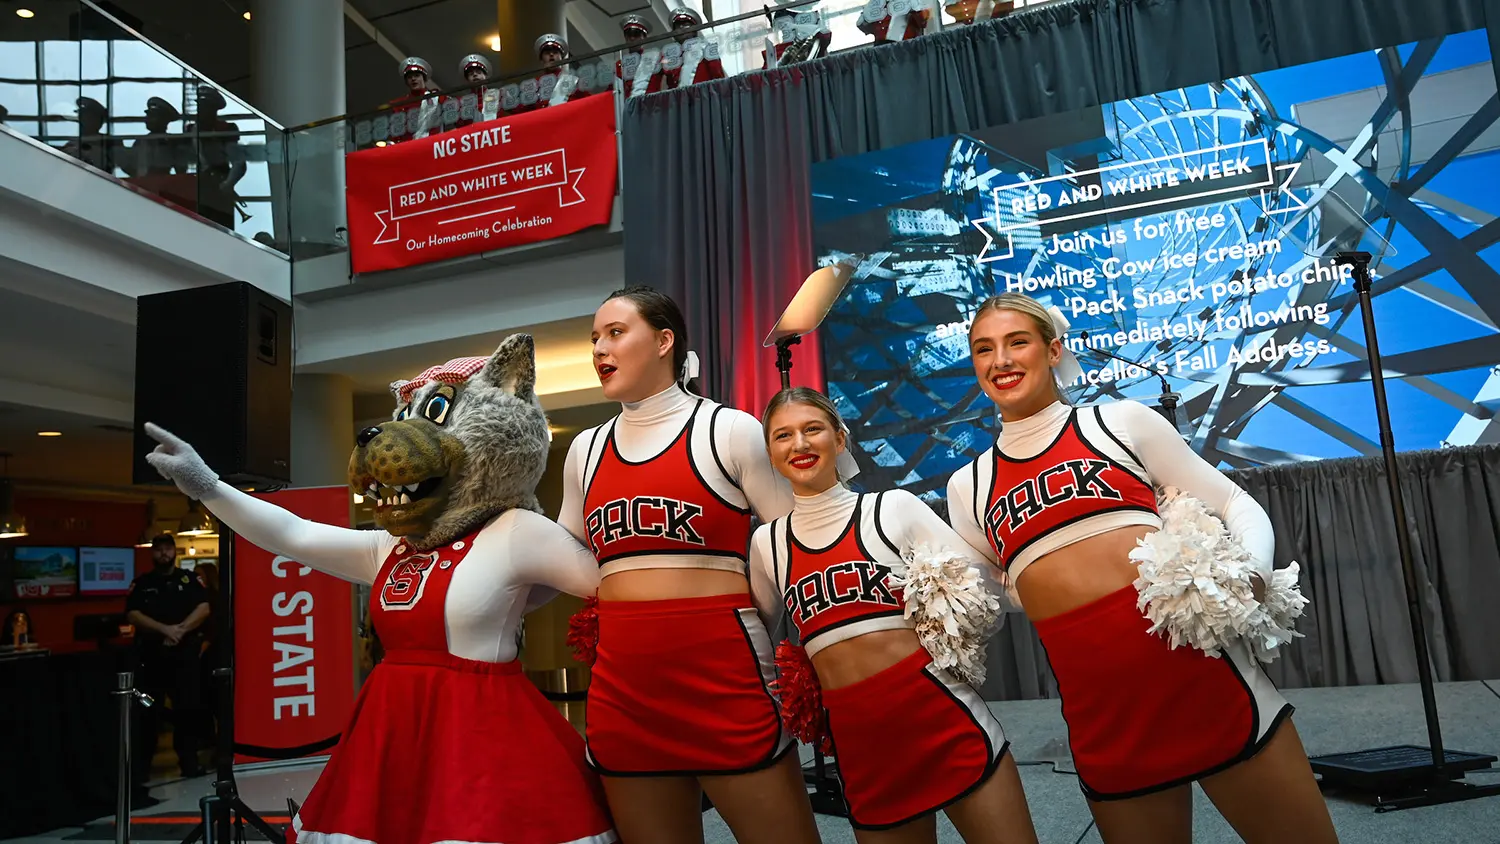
765	591
961	513
917	525
1170	462
546	554
570	516
742	442
354	555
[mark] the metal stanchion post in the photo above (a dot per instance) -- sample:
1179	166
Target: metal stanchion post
125	690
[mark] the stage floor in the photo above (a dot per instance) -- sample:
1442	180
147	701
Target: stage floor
1329	720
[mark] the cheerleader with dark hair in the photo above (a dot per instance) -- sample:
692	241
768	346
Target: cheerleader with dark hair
679	702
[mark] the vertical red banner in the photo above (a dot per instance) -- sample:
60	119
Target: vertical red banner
293	642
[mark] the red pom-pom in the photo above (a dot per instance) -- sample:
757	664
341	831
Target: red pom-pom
583	632
801	697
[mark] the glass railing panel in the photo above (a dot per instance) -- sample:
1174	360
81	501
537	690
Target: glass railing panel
93	89
743	38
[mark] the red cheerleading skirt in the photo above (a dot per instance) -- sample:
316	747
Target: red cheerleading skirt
680	688
441	748
1144	717
942	744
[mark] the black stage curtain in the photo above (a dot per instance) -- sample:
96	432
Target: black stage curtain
1334	518
59	726
717	204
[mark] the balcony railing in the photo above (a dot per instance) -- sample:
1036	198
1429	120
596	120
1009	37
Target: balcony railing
90	87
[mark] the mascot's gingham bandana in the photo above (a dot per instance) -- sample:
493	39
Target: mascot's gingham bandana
455	371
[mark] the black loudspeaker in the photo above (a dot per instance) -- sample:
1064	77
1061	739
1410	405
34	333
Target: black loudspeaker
213	365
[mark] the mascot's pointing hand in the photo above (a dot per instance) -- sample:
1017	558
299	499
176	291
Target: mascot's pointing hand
180	464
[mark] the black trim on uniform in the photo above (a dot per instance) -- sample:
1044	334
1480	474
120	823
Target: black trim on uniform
1123	508
1110	460
713	446
1129	452
707	772
676	552
589	460
848	621
697	473
1249	751
995	758
851	524
880	529
1072	416
978	518
680	434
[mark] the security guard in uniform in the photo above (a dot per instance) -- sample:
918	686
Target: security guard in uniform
168	606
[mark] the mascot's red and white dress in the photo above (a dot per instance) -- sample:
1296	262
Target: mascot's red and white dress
448	741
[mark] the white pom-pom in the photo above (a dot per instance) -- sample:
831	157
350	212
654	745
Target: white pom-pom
950	606
1195	584
1272	624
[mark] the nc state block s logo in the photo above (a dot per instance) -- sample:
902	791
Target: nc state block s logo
403	587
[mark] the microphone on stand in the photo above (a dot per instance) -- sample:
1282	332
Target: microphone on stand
1167	401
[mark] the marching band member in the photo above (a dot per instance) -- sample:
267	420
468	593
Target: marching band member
798	37
894	20
1060	503
482	102
418	112
640	68
910	737
557	84
965	12
694	58
663	494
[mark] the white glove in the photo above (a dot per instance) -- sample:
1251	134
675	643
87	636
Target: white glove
180	464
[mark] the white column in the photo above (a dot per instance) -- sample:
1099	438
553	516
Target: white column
322	429
297	68
521	23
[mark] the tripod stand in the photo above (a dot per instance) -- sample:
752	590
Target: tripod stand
806	311
224	814
1403	776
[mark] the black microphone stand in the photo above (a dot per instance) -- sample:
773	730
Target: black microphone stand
1168	399
1401	776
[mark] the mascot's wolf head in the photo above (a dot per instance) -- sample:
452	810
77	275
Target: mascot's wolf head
467	442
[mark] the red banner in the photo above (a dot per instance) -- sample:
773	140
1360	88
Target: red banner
293	636
521	179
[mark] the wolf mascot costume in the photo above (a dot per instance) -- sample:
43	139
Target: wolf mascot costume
448	741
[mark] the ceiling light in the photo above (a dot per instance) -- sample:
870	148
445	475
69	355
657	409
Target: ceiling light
247	16
25	13
49	433
495	43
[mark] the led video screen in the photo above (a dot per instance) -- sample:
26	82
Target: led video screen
1191	233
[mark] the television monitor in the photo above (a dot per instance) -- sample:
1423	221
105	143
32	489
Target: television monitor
42	572
105	571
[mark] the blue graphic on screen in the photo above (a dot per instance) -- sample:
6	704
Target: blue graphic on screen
1191	232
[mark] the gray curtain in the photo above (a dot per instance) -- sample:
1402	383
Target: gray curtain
717	204
1334	518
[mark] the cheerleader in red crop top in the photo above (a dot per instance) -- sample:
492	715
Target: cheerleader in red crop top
663	494
1059	502
911	738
